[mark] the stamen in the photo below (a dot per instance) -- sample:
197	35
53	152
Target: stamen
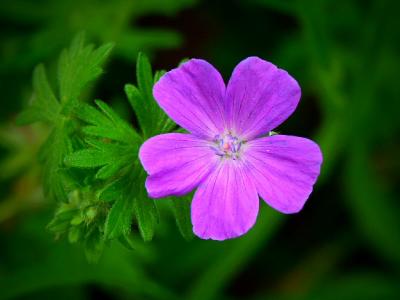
227	145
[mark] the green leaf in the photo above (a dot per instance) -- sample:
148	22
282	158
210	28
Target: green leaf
181	210
105	123
79	65
127	133
144	76
111	146
104	157
131	186
87	158
137	102
112	156
151	117
112	190
45	107
145	210
51	155
147	217
158	75
119	219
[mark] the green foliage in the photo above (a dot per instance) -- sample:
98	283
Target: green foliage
151	117
90	159
82	219
119	219
58	111
45	106
343	245
181	209
112	148
113	143
78	66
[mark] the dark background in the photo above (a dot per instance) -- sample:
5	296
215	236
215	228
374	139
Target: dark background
345	244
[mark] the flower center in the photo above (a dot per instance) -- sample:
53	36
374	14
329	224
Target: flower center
227	145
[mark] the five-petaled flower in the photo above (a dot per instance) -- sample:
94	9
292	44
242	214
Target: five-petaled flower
228	155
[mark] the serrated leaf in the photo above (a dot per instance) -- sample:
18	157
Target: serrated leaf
146	216
79	65
87	158
111	157
137	102
126	133
105	123
110	170
43	91
113	190
45	106
181	210
144	76
51	155
131	186
145	210
90	114
151	117
119	218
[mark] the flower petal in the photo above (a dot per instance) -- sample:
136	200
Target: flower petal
284	170
192	95
226	204
259	97
176	162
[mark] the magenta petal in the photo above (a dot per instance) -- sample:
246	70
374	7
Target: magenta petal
176	162
226	204
192	95
284	170
259	97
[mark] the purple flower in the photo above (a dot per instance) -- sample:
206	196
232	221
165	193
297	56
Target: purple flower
228	155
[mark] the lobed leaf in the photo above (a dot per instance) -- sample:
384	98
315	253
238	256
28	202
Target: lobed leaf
119	218
45	106
181	210
79	65
105	123
147	217
111	157
151	117
51	155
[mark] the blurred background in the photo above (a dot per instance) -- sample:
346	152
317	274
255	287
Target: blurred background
345	244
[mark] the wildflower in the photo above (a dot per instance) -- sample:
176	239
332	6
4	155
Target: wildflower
228	155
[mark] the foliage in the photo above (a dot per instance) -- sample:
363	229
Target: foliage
90	159
343	245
